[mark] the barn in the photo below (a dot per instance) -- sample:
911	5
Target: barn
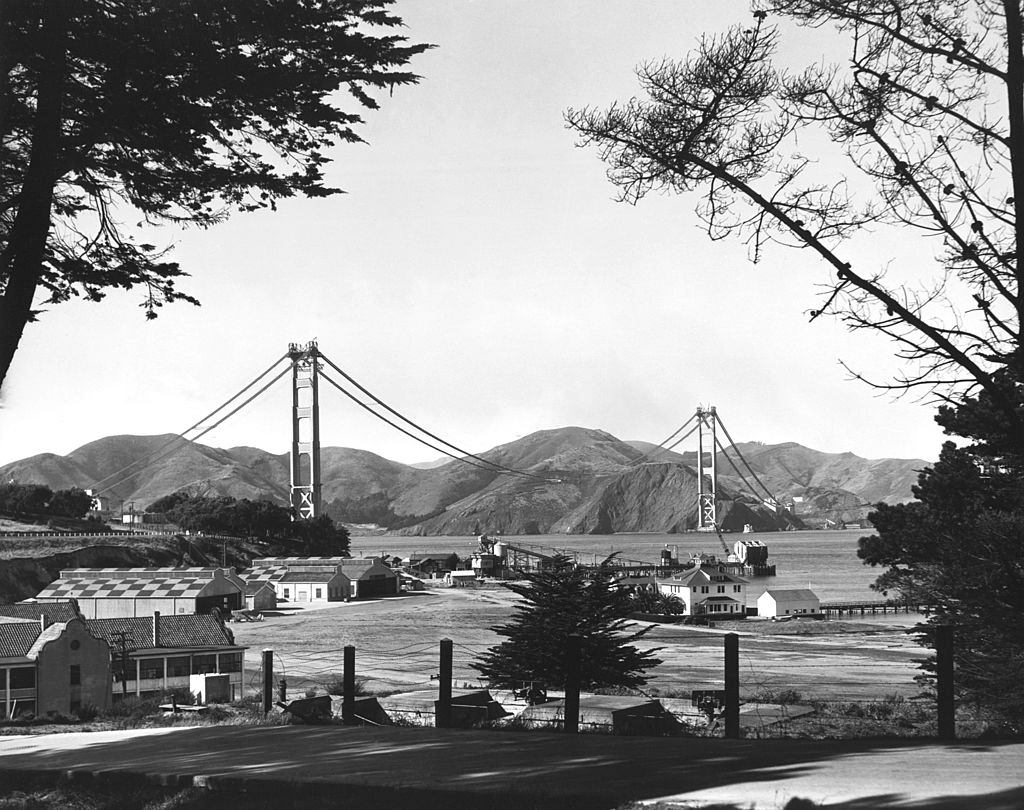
104	593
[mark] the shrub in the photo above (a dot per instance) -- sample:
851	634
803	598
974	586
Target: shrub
87	713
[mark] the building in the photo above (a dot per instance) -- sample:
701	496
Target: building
260	595
788	602
707	590
156	654
461	579
323	579
51	667
432	564
104	593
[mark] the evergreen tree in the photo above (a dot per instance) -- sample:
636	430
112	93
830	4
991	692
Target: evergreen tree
557	602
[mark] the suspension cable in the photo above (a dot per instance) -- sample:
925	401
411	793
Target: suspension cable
501	470
738	471
660	447
202	433
725	430
426	432
181	435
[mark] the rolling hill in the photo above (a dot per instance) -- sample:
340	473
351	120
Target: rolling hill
572	480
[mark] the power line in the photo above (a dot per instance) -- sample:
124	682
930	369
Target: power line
148	460
379	401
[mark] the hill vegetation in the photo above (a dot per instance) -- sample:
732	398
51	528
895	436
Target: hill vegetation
577	480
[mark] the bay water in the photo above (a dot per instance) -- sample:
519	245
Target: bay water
824	561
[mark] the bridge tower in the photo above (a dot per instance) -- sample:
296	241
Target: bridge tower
305	454
707	508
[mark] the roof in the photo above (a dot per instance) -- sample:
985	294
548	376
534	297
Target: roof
719	599
257	585
265	562
705	576
308	576
17	638
54	611
127	588
185	630
791	593
194	572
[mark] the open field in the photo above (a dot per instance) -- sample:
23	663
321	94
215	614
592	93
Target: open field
396	643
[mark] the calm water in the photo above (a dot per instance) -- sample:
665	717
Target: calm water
824	561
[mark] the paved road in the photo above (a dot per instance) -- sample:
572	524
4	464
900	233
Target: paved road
508	769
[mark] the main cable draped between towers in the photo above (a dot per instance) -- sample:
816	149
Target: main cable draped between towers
660	447
166	449
753	474
492	466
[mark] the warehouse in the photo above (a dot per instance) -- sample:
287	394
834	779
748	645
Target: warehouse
104	593
323	579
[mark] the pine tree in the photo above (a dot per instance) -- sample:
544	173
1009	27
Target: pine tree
557	602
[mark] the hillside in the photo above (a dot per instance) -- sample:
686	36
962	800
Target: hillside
571	480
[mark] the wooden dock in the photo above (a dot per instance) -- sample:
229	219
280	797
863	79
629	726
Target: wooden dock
873	607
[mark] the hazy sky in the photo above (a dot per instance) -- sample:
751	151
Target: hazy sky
479	277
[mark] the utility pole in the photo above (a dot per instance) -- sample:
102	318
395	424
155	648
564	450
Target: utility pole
305	453
121	638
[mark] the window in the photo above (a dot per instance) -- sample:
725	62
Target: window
23	678
179	667
736	588
202	664
319	593
287	594
151	669
704	589
75	644
721	589
76	675
230	662
21	708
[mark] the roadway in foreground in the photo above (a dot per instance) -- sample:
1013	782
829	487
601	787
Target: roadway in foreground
426	767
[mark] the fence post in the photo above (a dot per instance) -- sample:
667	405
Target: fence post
348	687
443	707
268	680
944	682
732	686
282	690
573	652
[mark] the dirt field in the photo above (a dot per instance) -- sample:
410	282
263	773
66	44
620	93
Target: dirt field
396	643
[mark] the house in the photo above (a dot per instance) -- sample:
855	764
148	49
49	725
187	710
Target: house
104	593
155	654
50	666
432	564
323	579
788	602
707	590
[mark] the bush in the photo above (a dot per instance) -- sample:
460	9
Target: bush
87	713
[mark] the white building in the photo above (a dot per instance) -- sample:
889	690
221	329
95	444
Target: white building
706	590
788	602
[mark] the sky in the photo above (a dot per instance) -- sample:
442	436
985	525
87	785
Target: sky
480	277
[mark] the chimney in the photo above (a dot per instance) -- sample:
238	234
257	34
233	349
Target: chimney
43	622
156	628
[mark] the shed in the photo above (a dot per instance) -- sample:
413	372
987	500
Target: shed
460	579
104	593
370	577
260	595
788	602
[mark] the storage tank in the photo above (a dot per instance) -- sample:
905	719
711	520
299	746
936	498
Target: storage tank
499	550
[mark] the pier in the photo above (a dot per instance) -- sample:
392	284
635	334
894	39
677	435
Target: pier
876	606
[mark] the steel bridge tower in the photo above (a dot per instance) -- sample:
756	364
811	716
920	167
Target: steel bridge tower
707	508
305	455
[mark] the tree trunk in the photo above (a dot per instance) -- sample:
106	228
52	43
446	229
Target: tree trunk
21	262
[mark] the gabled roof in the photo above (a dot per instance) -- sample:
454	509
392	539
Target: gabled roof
791	593
182	587
193	572
17	638
308	576
54	611
257	585
180	631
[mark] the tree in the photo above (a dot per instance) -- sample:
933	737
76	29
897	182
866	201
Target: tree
557	602
72	503
115	111
926	121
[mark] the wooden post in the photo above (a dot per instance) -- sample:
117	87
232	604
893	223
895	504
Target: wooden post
268	680
732	686
443	707
282	690
573	653
944	682
348	687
